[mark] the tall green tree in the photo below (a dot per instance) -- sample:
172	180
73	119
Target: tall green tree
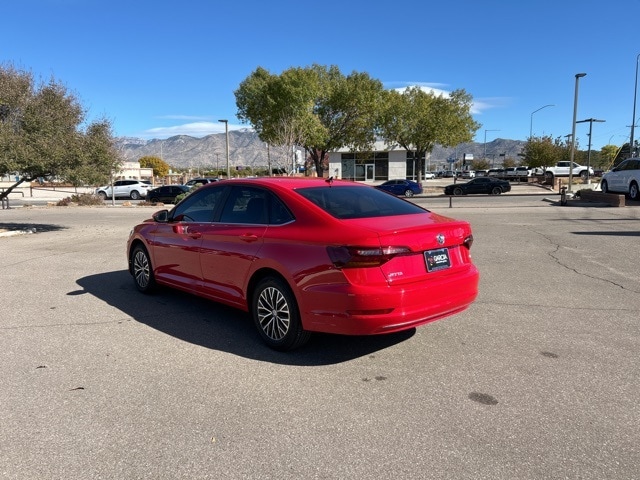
545	151
418	120
159	166
317	108
43	133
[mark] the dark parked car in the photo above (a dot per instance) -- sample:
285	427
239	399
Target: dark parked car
486	185
166	193
309	255
408	188
197	182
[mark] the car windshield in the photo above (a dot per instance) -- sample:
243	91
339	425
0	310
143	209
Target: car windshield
357	202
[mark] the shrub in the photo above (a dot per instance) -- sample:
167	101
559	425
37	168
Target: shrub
83	199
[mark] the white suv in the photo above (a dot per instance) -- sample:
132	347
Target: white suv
624	178
133	189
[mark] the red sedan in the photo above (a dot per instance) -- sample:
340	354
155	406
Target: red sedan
309	255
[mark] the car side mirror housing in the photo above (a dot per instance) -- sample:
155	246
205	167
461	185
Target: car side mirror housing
162	216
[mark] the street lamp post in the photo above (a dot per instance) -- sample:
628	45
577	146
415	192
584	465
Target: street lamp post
573	129
633	120
531	123
485	142
590	120
226	132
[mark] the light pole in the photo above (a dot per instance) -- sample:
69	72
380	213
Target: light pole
485	142
633	120
573	129
226	132
590	120
531	123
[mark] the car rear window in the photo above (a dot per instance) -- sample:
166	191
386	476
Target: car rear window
358	202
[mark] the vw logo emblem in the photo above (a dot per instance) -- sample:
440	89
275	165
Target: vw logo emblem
440	239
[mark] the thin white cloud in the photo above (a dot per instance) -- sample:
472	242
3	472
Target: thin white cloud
193	129
478	106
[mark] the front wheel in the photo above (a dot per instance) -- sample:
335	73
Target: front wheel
142	270
583	174
457	191
604	187
408	193
102	195
633	191
134	195
548	175
276	315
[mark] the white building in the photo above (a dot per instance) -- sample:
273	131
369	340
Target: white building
133	171
382	164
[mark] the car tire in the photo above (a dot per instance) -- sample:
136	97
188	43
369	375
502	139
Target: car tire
457	191
633	191
153	200
142	270
583	174
276	316
604	187
408	193
134	195
102	195
548	175
496	191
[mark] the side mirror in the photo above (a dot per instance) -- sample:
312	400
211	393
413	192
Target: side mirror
162	216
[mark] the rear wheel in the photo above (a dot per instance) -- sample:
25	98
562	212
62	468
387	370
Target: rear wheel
408	193
496	191
633	191
142	270
604	187
276	315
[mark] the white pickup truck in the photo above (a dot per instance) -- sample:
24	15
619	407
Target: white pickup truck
561	169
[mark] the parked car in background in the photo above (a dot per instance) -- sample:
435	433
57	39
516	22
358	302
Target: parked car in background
428	175
408	188
468	174
495	172
309	255
166	193
133	189
623	178
562	169
197	182
486	185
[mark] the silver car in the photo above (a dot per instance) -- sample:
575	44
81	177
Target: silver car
133	189
623	178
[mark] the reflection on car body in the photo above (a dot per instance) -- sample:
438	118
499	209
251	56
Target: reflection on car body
308	255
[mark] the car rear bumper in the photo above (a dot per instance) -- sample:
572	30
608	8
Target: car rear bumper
357	310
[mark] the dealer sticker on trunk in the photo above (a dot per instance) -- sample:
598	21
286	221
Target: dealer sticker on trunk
437	259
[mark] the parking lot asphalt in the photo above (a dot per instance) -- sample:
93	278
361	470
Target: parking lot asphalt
537	380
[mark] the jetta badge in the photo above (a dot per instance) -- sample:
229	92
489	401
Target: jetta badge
440	239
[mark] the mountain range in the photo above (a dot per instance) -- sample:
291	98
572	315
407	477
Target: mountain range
247	150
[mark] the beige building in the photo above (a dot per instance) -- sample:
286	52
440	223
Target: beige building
380	165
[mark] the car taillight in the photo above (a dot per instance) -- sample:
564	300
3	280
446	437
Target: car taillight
468	241
363	257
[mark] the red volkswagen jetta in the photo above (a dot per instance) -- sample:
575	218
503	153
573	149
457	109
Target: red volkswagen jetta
309	255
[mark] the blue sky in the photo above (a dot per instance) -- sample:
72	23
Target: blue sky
161	68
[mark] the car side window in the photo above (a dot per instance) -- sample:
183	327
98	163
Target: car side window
245	205
200	206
